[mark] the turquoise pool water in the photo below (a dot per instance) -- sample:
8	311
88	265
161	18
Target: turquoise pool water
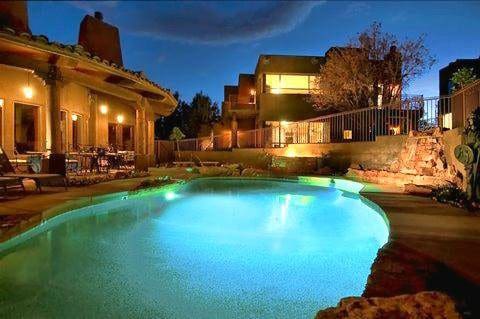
217	248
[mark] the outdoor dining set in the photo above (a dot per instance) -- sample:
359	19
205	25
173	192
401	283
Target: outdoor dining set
83	161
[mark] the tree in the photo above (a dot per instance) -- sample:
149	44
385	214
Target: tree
373	64
189	117
462	77
202	113
176	135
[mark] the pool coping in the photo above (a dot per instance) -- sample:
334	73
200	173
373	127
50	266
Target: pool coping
66	211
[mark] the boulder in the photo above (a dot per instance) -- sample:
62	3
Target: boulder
428	304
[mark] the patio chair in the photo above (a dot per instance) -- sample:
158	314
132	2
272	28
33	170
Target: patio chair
7	183
6	170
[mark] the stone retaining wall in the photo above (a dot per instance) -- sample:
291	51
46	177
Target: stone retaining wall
420	158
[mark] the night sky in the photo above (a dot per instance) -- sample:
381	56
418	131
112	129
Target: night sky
193	46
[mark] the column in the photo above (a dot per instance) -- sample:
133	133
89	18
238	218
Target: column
53	82
234	129
94	118
140	120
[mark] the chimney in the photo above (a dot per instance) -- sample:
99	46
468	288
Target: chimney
14	15
100	38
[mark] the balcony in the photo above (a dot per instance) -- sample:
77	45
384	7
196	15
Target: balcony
242	110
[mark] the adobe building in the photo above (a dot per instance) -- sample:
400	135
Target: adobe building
58	98
277	95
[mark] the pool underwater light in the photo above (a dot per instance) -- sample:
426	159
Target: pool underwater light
170	195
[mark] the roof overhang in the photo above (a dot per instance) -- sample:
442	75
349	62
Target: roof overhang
36	52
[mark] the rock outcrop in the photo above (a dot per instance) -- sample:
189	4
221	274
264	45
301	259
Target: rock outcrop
423	305
422	161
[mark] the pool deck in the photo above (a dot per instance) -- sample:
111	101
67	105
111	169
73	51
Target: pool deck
448	234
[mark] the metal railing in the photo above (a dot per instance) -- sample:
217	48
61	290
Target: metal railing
411	114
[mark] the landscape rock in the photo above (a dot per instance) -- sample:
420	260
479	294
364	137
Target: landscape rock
420	190
423	305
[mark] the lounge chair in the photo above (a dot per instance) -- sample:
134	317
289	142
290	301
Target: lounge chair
184	163
10	182
6	170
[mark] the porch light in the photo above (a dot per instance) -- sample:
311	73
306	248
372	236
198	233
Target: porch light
28	92
120	118
74	117
103	109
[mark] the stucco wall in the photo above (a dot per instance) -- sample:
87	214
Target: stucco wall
74	99
12	82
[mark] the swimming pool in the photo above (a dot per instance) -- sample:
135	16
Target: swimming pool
213	248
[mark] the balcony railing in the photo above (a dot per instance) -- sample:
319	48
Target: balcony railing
412	114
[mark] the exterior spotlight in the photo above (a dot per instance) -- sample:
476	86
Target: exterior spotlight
103	109
120	118
74	117
28	92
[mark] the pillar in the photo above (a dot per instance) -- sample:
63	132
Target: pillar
234	131
54	84
94	118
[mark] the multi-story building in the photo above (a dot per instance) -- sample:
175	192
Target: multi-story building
56	97
277	94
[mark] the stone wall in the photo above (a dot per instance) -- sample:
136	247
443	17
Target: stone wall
426	158
420	158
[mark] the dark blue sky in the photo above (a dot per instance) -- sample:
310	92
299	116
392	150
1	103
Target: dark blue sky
193	46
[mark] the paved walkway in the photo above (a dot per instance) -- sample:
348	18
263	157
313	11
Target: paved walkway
448	234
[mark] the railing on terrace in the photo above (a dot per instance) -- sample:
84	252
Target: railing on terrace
417	114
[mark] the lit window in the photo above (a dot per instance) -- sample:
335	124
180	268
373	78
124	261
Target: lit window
447	121
288	84
347	134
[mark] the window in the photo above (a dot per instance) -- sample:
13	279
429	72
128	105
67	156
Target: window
112	134
63	129
288	84
127	138
447	120
76	131
25	131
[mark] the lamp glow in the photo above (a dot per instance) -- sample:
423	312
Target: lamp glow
74	117
2	102
291	153
252	92
120	119
103	109
28	92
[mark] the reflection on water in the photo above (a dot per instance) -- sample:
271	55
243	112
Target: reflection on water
218	249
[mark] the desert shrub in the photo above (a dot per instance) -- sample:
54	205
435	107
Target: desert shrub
335	162
451	194
155	182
